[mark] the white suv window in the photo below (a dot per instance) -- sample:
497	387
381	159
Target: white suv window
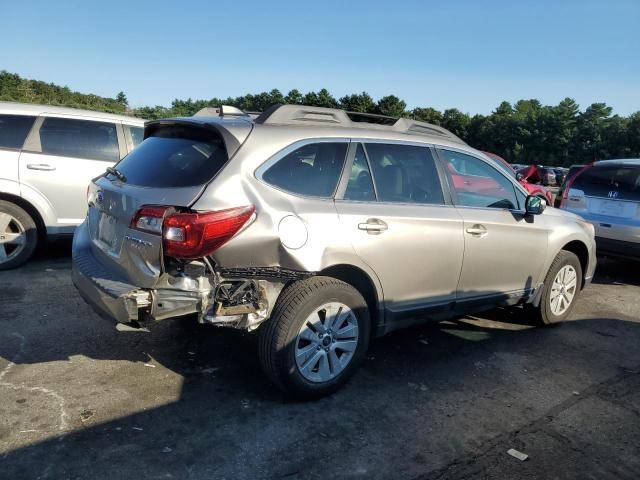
137	135
476	183
14	130
68	137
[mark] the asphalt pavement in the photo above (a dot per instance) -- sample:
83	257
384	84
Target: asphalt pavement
80	399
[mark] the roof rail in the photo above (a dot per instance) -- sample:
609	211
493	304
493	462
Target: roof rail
223	111
321	116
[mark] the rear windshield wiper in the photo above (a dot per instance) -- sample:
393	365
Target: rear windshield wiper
116	173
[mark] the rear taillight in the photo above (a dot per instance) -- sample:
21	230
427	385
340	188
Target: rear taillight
192	235
567	187
149	219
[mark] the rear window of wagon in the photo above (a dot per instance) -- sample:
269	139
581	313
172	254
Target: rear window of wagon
175	157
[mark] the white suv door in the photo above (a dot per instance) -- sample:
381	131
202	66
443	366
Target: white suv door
62	156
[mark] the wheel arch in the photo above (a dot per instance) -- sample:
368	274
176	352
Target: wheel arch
582	252
361	281
30	209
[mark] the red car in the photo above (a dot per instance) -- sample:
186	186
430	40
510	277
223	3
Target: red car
525	177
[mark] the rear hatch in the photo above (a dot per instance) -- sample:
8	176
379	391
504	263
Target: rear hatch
170	168
607	193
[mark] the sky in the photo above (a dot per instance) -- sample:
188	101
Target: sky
468	54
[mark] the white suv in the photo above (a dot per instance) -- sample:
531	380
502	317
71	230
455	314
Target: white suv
48	156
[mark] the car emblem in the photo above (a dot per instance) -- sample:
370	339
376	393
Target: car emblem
138	243
613	194
99	197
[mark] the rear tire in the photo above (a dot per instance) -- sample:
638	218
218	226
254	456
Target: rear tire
308	353
18	235
560	291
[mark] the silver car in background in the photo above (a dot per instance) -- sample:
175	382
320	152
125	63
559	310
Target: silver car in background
607	194
48	156
320	229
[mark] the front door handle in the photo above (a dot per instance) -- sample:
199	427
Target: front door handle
40	166
374	226
477	230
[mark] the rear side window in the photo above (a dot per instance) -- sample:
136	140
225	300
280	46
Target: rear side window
360	185
87	139
404	173
175	157
620	182
14	130
137	135
312	170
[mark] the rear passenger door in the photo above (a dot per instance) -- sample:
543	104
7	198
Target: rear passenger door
392	208
60	158
503	251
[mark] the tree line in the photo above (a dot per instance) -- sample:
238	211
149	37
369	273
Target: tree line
524	132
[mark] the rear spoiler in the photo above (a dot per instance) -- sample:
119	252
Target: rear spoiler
233	131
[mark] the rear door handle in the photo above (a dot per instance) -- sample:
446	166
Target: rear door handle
477	230
373	226
40	166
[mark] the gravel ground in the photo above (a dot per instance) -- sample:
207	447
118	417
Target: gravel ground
79	399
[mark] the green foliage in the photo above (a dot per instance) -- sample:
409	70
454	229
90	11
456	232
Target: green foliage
391	106
430	115
358	102
14	88
525	132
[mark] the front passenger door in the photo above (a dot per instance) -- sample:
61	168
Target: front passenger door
503	251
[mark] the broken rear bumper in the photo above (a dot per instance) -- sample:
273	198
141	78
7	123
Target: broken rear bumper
235	302
119	300
108	295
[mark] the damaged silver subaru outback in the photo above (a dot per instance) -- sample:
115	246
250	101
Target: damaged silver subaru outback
321	229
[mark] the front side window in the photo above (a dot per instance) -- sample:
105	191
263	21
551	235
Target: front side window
477	184
68	137
360	185
311	170
404	173
14	130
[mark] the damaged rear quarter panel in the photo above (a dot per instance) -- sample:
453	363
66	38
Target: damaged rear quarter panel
260	243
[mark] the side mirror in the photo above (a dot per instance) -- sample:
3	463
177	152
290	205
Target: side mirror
519	176
535	205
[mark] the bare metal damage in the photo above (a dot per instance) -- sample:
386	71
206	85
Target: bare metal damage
240	297
242	303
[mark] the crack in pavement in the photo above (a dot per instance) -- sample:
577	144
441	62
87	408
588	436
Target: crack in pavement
62	419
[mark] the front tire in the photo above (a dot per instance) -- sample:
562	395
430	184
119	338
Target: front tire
316	337
561	288
18	235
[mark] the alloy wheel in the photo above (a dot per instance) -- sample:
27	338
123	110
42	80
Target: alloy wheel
13	238
326	342
563	290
